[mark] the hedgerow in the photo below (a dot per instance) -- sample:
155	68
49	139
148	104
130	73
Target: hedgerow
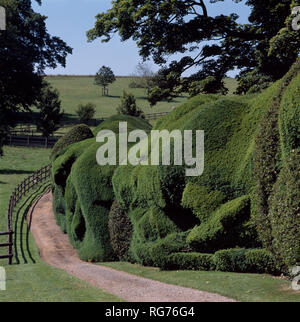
268	158
76	134
284	212
249	187
88	195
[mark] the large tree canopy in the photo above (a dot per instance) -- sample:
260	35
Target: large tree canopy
26	49
267	45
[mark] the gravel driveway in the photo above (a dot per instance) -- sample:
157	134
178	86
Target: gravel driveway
55	250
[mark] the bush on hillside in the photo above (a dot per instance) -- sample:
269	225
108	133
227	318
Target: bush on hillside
128	106
86	112
76	134
120	231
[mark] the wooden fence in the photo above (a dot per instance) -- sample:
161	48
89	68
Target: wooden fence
31	140
20	191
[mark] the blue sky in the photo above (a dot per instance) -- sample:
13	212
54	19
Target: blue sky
70	19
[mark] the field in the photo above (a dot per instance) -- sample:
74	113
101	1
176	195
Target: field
75	90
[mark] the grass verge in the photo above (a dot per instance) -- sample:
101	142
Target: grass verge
241	287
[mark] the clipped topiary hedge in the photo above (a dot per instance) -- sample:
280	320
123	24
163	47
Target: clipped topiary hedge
76	134
285	212
86	194
225	228
177	220
245	261
191	261
120	231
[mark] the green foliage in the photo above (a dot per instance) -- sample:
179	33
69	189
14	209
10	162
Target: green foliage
128	106
209	85
253	82
284	212
49	107
26	51
289	117
104	77
76	134
172	214
200	201
224	228
133	123
86	189
191	261
267	158
245	260
120	231
86	112
265	45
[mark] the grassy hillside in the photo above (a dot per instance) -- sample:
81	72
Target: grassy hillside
81	89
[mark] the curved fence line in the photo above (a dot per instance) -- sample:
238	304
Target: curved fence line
20	191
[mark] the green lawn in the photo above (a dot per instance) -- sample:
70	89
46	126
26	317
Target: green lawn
81	89
33	280
242	287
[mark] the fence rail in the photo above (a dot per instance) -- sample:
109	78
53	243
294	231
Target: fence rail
21	190
31	140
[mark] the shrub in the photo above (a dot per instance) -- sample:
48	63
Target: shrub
128	106
224	228
120	231
76	134
260	261
268	159
209	85
201	201
191	261
162	248
86	112
284	212
231	260
289	118
245	261
87	191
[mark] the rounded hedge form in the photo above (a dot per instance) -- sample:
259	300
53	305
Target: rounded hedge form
206	222
85	195
285	212
120	231
76	134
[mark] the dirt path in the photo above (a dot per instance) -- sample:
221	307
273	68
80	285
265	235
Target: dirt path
55	250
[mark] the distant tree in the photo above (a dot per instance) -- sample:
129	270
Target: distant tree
142	76
49	107
86	112
128	106
104	77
